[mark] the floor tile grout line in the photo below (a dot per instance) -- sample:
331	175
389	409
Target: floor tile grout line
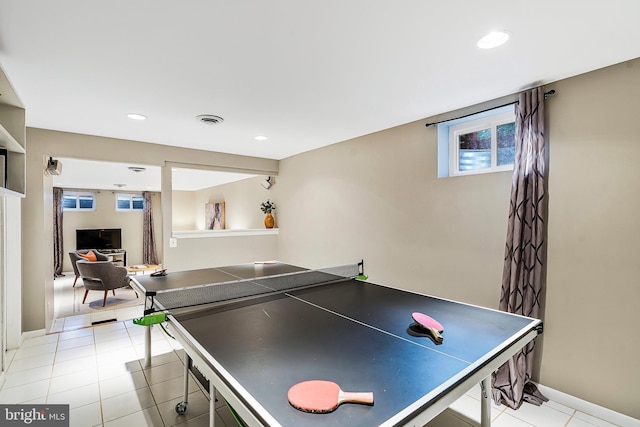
571	417
503	413
93	335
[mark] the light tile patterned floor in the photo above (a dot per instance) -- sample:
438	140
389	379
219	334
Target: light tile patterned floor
98	372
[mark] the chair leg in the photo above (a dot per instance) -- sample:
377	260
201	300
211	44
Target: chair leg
104	302
114	292
85	295
74	281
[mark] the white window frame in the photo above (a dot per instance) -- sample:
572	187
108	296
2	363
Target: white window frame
130	196
448	156
77	195
491	123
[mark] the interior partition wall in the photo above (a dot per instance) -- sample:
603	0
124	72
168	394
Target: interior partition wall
3	311
10	276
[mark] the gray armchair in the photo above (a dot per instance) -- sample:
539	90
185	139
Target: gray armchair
102	276
75	258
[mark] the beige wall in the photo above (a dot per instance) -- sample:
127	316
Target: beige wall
591	347
205	252
182	206
377	197
37	212
106	216
242	205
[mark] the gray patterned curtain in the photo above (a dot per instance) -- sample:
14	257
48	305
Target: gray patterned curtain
58	255
149	253
523	274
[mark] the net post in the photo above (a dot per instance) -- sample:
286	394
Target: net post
361	275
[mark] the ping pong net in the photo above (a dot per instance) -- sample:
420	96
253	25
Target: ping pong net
222	292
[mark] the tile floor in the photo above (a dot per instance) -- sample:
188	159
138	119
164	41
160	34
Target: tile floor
98	371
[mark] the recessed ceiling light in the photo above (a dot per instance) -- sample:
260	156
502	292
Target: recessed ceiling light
493	39
136	116
136	168
120	185
261	138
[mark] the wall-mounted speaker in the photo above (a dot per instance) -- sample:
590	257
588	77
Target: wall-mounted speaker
266	183
54	167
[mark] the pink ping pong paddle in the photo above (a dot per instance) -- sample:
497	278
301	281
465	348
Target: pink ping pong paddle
429	324
320	397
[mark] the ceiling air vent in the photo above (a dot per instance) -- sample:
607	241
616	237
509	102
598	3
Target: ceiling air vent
209	119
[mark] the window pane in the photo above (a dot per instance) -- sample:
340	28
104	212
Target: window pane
68	202
123	202
475	150
138	203
85	202
506	143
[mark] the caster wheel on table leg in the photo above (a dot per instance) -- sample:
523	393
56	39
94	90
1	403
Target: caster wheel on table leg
181	408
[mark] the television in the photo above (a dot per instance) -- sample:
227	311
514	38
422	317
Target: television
99	238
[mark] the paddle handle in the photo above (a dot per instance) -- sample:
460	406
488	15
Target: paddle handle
356	397
434	333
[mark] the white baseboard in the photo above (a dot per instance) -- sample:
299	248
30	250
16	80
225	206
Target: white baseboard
32	334
29	334
588	407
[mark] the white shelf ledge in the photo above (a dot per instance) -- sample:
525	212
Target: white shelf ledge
9	142
198	234
7	192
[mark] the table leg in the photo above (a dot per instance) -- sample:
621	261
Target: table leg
212	404
485	402
181	407
187	366
147	346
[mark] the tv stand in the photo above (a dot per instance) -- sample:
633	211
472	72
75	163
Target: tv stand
116	256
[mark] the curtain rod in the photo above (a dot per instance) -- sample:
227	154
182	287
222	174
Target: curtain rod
546	95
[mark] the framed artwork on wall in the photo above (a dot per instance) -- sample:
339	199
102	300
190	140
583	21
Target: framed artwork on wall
214	216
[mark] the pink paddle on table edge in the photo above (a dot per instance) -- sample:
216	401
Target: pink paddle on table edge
429	324
320	397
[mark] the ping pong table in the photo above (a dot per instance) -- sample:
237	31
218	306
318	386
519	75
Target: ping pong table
347	330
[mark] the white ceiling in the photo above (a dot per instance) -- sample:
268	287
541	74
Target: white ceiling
305	74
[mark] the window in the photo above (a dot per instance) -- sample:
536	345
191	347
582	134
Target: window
78	201
480	143
129	202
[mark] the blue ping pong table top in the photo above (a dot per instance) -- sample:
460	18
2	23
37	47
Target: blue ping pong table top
355	333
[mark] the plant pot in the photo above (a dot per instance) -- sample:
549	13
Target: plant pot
269	221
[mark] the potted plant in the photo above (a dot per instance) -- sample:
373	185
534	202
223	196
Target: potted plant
267	207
